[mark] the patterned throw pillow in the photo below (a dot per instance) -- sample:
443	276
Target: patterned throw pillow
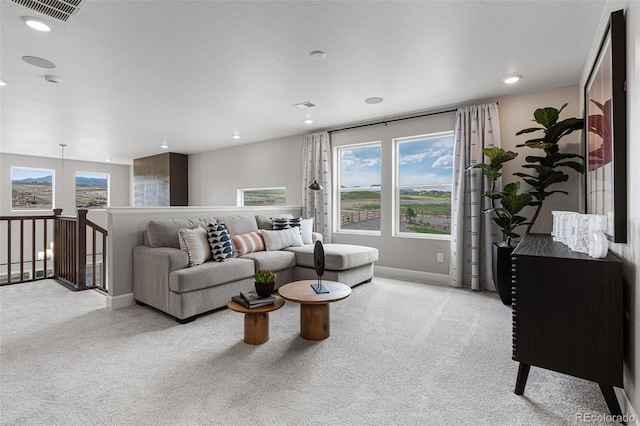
194	242
248	243
220	242
283	223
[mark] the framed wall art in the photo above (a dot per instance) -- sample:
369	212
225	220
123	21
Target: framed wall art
605	131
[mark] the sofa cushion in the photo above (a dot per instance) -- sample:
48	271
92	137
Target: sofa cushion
338	257
196	244
277	240
164	232
240	224
247	243
220	242
210	274
274	260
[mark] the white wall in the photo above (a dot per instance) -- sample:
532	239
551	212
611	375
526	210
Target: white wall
516	113
629	252
216	176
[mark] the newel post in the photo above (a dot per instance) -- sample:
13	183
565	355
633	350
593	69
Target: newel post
57	243
81	244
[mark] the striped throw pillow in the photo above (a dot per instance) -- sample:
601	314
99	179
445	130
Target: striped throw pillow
247	243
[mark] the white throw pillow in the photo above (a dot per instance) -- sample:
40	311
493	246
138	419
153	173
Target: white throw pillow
307	231
276	240
195	243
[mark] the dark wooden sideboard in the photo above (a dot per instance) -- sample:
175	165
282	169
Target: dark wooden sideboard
567	314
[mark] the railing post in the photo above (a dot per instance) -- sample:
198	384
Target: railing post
81	244
57	245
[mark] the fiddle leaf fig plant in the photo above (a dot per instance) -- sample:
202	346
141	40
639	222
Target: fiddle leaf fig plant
546	169
543	171
510	201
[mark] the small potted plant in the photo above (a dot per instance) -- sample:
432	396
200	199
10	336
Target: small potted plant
265	282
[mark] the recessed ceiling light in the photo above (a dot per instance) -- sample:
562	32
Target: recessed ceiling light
39	62
307	121
511	79
164	146
108	160
373	100
236	136
2	83
318	55
36	23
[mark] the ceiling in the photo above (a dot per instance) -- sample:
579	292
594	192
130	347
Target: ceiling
191	74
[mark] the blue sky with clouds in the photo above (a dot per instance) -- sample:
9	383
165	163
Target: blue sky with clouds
426	161
423	161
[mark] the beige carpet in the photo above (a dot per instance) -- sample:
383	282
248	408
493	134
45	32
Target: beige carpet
399	353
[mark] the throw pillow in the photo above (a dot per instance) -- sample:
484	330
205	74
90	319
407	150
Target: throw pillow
286	223
194	242
277	240
248	243
306	229
220	242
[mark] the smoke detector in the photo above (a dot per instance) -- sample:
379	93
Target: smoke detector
52	78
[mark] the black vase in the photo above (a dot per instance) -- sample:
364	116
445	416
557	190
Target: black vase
264	289
501	262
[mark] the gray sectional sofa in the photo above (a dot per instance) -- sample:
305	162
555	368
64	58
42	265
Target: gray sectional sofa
163	279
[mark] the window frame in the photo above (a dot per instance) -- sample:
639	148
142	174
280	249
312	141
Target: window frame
339	190
53	189
397	187
240	195
75	192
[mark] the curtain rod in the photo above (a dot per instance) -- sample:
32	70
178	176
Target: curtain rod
385	122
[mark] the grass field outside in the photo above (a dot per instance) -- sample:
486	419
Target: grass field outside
428	212
264	197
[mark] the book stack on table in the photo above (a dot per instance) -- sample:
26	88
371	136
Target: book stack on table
250	299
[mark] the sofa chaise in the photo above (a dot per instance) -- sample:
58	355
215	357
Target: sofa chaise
165	278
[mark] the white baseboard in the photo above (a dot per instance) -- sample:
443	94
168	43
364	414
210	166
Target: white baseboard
626	407
409	275
122	301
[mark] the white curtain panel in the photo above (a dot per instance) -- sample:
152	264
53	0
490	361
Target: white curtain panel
472	232
317	166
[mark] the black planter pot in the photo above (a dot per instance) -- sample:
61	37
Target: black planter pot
501	262
264	289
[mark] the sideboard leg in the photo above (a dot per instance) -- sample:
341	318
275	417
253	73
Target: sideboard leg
611	400
521	382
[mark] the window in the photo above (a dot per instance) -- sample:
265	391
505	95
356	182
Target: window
31	189
424	166
359	188
92	190
262	197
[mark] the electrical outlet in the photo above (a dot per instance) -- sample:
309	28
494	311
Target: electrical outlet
440	257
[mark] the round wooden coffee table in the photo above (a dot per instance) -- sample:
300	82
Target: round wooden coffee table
315	318
256	320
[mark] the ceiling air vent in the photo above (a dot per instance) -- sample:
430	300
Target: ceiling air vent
303	105
62	10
